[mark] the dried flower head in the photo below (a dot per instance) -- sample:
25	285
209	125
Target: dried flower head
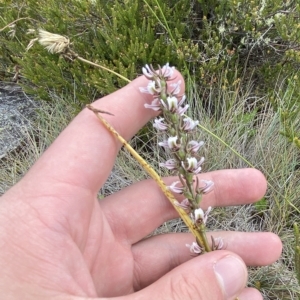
54	43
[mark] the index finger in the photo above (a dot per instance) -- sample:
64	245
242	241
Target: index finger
84	153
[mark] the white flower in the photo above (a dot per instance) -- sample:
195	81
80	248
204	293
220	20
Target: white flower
194	146
208	186
153	88
182	110
192	165
175	189
218	243
176	87
200	216
194	248
184	204
183	98
173	143
148	72
170	164
167	71
172	104
148	89
159	125
189	124
267	40
155	105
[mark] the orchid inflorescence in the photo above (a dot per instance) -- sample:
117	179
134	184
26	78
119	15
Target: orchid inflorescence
185	161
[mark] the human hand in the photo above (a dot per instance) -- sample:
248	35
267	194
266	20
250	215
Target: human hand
59	242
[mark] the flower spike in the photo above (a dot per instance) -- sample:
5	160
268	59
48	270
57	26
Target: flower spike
177	130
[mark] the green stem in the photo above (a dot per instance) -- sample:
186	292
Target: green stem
104	68
205	243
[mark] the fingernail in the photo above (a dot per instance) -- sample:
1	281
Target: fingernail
231	274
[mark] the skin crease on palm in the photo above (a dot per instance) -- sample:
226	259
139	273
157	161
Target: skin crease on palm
59	242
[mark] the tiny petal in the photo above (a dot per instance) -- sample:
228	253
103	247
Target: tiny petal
155	105
189	124
182	100
198	214
151	87
194	248
192	165
208	186
182	110
173	188
167	71
173	143
201	161
144	90
172	104
219	243
184	204
164	144
148	72
194	146
206	214
170	164
159	125
176	87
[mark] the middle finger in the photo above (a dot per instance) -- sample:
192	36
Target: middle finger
142	207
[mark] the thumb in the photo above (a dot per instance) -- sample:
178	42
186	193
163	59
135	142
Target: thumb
215	275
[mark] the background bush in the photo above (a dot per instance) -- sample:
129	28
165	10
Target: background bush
217	44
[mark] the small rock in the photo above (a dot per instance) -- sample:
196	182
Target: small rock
16	115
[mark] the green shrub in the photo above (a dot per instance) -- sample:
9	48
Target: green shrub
120	35
218	45
287	102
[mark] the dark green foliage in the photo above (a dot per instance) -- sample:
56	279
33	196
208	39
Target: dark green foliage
285	100
218	44
120	35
